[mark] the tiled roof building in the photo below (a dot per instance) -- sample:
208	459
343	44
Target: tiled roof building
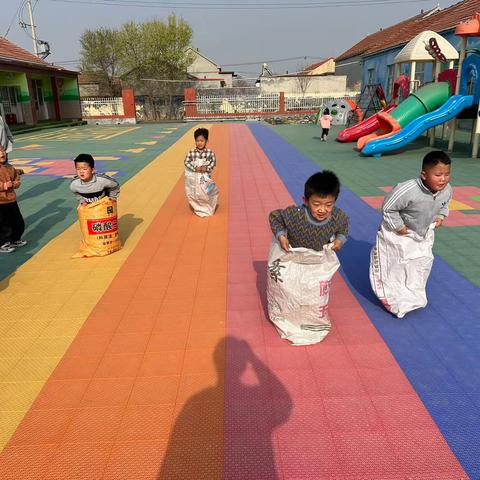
33	90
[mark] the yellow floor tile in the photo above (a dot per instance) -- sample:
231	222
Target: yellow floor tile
48	281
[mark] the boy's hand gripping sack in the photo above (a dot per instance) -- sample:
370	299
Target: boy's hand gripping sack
202	193
399	269
99	226
298	290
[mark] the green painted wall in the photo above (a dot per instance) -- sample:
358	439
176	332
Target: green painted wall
19	80
69	91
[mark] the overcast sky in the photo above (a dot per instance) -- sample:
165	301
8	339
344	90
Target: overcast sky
228	36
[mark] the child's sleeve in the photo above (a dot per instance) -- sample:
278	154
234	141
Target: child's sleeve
189	159
444	210
16	178
277	223
113	188
211	162
395	201
342	230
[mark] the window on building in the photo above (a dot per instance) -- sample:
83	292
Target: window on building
420	73
371	76
390	80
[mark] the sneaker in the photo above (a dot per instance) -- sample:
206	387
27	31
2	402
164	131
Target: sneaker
6	248
18	243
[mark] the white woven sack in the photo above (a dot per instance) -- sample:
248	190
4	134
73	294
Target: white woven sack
202	193
298	290
399	269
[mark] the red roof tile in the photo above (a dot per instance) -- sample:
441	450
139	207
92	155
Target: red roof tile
403	32
11	53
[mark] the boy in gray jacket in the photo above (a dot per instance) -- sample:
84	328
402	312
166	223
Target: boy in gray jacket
90	186
402	258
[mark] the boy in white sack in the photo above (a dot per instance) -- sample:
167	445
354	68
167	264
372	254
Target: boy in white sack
402	257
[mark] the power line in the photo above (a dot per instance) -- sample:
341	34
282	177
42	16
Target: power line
13	18
238	6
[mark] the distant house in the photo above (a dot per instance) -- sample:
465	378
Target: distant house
207	72
32	90
325	67
372	59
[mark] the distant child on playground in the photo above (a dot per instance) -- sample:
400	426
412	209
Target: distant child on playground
12	224
325	123
315	223
201	190
402	258
90	186
97	195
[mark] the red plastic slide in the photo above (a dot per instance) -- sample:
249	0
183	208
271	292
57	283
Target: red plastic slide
363	128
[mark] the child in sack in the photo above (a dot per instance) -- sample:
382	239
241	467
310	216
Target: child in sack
97	195
12	224
201	190
402	257
302	260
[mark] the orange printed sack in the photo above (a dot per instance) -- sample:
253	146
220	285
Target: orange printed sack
99	226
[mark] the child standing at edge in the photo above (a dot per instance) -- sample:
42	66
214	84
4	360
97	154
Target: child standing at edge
402	257
12	224
200	189
325	123
89	186
316	222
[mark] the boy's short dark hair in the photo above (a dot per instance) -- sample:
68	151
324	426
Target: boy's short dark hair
322	184
201	132
434	158
85	158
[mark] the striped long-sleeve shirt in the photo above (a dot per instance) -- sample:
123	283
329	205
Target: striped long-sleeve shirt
413	205
200	158
302	230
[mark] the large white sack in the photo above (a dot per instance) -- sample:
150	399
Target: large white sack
202	193
297	292
399	269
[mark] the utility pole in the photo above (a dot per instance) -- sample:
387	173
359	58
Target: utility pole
32	25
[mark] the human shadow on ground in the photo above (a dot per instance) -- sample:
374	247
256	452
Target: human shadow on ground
225	431
126	225
44	220
261	271
40	189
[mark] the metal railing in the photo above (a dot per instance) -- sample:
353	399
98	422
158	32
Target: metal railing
317	102
215	104
102	107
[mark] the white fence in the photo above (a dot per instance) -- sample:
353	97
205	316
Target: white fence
303	103
247	103
266	103
102	107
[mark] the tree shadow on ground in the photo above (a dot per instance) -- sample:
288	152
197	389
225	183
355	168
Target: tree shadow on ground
126	226
40	189
225	431
44	220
